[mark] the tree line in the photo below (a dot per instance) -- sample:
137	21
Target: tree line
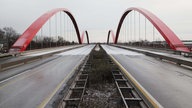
8	36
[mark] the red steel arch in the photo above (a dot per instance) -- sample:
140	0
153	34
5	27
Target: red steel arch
113	36
82	36
24	40
170	37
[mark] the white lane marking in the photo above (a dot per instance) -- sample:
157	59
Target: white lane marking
14	76
48	98
144	92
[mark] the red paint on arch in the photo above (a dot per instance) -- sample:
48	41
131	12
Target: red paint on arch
25	39
170	37
82	36
110	33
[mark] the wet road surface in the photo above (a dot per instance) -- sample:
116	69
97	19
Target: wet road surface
33	87
37	52
169	84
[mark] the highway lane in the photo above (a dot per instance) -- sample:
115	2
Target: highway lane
48	50
37	52
169	84
35	87
159	52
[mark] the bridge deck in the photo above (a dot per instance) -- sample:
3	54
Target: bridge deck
35	86
38	52
168	83
160	52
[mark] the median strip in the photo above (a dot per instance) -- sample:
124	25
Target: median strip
103	82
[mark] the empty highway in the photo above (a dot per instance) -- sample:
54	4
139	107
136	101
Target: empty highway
37	52
168	83
37	84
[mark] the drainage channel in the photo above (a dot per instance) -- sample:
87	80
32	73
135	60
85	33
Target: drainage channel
129	95
101	84
77	89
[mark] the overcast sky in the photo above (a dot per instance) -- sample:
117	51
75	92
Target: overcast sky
98	16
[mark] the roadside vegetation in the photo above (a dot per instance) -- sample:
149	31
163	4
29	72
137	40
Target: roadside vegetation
8	36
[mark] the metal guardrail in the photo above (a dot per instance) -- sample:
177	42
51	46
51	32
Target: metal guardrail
16	63
165	57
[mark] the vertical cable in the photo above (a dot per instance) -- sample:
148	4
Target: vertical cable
71	32
153	35
130	27
125	30
64	24
139	27
134	27
145	29
72	38
50	33
36	45
41	37
67	29
60	29
56	29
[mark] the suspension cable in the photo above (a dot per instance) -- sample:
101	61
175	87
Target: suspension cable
145	30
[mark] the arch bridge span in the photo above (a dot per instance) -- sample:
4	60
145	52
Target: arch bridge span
110	33
82	36
170	37
25	39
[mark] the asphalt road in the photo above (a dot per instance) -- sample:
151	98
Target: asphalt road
34	87
159	52
169	84
37	52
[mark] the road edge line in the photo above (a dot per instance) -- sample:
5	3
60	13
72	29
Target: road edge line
150	99
49	97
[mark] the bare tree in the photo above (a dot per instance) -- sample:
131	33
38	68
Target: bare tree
11	35
1	34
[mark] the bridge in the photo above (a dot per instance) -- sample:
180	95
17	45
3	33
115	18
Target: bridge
143	53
